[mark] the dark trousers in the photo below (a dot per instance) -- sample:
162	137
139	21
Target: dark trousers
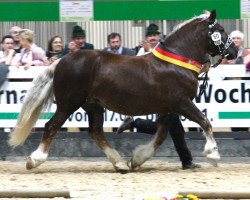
176	131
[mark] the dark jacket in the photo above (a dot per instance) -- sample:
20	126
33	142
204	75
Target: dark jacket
86	46
125	51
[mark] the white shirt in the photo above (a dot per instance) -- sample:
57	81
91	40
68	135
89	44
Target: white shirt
3	57
142	52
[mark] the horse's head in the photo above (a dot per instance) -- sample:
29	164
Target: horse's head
219	41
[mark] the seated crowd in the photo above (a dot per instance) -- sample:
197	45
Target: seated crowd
19	48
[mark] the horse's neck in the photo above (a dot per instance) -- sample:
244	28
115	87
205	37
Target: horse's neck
187	45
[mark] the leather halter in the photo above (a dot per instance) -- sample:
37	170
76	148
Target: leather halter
215	38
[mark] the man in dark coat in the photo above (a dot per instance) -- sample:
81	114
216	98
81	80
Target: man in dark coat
114	42
78	41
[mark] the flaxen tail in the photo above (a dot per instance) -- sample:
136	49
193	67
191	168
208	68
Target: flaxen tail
38	98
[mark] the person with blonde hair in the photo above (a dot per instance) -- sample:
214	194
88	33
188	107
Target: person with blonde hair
31	54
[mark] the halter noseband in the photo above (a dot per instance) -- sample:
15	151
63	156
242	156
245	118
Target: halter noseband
215	37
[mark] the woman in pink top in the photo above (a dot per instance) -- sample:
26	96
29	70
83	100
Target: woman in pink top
31	54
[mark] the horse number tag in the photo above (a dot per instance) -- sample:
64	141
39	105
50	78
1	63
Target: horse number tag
216	37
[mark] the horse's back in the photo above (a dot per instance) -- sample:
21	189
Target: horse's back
83	71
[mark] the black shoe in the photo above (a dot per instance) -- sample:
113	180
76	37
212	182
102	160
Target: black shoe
126	125
190	165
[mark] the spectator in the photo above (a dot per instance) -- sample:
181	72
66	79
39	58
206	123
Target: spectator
78	41
114	42
246	56
55	47
14	32
248	67
246	60
151	39
237	38
31	54
8	56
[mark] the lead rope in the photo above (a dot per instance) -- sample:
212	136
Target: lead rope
217	63
204	84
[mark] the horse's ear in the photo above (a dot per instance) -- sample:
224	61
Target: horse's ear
212	16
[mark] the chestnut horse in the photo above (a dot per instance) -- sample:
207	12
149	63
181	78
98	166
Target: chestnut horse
164	81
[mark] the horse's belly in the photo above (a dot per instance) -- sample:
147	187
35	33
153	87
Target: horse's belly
135	107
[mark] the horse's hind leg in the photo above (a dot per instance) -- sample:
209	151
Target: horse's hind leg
40	155
144	152
190	111
95	116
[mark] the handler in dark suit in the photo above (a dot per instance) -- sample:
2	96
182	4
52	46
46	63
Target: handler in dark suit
176	131
114	42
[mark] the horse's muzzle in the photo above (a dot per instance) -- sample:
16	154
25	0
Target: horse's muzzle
230	56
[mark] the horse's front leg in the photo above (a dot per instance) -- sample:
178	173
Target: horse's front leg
40	155
144	152
95	116
190	111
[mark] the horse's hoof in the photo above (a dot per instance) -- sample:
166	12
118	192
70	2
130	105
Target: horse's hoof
213	157
121	168
206	152
33	163
212	162
129	163
211	151
132	165
29	163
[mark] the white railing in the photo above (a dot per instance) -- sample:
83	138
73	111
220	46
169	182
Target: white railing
226	103
220	71
228	71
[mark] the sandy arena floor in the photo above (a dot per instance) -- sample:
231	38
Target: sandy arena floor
95	179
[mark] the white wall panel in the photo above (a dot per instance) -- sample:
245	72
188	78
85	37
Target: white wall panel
246	25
